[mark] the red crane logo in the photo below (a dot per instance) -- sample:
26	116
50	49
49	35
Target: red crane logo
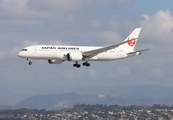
132	41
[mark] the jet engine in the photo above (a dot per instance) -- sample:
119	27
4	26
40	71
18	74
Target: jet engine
74	56
57	61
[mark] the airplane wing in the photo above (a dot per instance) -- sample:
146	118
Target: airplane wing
92	53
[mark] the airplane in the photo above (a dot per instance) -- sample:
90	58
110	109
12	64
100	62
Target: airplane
56	54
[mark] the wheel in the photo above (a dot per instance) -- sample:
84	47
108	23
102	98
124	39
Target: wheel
78	66
84	64
88	64
30	63
74	65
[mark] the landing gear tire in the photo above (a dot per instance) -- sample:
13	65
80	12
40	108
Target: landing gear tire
76	65
86	64
30	63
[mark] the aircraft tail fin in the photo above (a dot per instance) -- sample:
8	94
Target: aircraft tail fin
129	46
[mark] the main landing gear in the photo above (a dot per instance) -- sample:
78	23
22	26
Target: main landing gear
86	64
76	64
30	63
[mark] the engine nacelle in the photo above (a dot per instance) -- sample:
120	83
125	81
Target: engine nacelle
74	56
57	61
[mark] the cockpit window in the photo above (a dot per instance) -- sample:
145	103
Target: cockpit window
24	49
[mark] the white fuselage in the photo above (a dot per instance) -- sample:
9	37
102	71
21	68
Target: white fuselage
48	52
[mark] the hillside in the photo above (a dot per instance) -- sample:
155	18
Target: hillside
146	95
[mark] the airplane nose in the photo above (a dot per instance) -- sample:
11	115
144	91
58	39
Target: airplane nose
20	54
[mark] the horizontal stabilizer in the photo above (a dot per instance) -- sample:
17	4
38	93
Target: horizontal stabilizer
138	52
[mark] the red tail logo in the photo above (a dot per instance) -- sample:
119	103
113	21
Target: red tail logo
132	42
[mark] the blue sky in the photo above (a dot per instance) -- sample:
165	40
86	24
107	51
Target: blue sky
83	22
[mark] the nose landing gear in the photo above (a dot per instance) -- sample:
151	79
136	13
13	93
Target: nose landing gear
30	63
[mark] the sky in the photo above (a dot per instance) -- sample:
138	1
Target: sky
86	23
